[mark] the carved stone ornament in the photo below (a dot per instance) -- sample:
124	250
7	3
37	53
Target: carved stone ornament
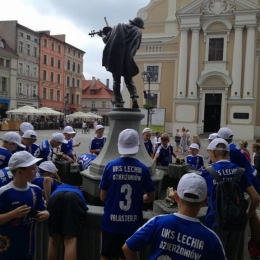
218	6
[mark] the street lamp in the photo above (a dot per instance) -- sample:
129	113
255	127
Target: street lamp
149	76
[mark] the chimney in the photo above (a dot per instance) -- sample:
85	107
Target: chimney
107	84
93	82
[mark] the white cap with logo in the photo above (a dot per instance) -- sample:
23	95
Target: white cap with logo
29	134
26	126
225	133
48	166
13	137
99	127
22	159
195	146
58	137
213	145
192	183
68	130
128	142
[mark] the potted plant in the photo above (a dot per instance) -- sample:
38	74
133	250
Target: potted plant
148	106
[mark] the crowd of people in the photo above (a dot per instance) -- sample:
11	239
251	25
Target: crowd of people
27	172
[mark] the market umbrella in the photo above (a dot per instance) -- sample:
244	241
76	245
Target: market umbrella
94	115
28	110
79	115
49	111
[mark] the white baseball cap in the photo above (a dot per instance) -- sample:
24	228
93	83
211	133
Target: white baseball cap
29	134
68	130
128	142
225	133
147	130
99	127
13	137
192	183
48	166
22	159
26	126
195	146
58	137
213	145
212	136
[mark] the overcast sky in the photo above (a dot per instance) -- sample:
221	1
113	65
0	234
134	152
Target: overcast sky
75	18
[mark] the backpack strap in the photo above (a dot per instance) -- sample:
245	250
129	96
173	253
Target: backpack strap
214	174
239	173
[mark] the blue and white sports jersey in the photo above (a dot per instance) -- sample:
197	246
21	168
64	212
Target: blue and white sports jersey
165	155
46	151
149	147
97	143
39	182
84	160
227	170
17	235
125	180
67	148
33	149
177	237
5	176
5	156
196	162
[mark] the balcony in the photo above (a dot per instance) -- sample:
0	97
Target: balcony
4	93
22	96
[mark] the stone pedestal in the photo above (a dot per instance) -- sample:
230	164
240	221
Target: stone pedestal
120	119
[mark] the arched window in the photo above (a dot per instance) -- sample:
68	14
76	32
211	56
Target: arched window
73	67
68	65
78	68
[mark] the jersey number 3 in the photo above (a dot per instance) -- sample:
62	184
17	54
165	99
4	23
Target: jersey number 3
126	188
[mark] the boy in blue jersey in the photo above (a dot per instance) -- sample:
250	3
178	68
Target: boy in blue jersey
237	157
164	151
179	236
11	141
6	176
67	207
125	185
98	142
218	151
194	159
20	204
67	148
47	171
147	133
25	126
47	146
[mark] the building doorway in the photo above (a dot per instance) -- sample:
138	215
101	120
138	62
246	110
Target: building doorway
212	114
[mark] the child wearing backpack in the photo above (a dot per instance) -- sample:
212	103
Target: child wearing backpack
226	180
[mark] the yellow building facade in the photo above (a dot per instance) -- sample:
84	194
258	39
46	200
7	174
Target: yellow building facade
207	56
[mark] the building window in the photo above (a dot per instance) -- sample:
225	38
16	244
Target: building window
1	62
77	100
27	90
78	54
67	98
68	81
73	66
52	77
78	68
44	93
8	63
68	65
52	46
4	84
34	72
21	34
34	91
28	37
58	64
58	95
35	51
103	104
74	52
77	83
44	76
93	104
153	69
44	59
20	68
45	42
59	48
72	99
216	49
52	61
20	46
20	88
73	82
153	99
51	94
69	50
35	40
27	70
58	78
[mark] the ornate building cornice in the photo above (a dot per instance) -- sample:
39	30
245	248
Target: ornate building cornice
217	7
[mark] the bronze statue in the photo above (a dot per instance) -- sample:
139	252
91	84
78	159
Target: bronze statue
122	42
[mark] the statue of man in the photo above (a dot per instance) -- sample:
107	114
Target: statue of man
122	41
